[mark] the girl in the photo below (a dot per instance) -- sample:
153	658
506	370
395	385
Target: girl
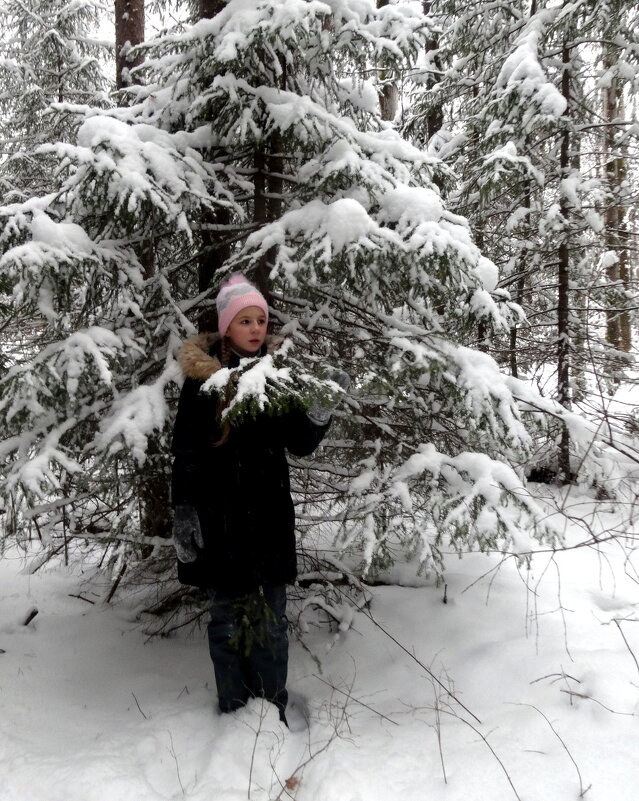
234	521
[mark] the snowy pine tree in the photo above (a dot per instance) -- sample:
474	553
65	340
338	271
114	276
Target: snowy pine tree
258	131
522	88
49	57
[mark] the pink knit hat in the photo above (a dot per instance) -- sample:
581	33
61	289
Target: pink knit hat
236	294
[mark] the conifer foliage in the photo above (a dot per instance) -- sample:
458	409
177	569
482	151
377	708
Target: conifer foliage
535	104
258	132
47	56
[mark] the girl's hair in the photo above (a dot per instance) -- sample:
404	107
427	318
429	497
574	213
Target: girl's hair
225	355
225	351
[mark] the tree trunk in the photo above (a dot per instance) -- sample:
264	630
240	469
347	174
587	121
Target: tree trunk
215	249
275	185
154	488
520	285
269	187
435	117
210	8
521	281
483	334
267	204
153	482
389	96
129	31
389	101
260	217
563	292
618	324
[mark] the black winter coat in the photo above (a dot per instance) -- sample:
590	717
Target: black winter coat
241	488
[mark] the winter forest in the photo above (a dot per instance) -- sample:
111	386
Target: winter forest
438	198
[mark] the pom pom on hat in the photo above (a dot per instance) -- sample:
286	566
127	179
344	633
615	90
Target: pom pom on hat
236	294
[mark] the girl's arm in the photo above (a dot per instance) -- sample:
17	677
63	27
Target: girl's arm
300	435
305	430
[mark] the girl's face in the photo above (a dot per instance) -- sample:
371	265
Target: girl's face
247	330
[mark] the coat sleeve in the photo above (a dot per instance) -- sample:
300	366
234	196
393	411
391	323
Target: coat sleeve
300	435
189	436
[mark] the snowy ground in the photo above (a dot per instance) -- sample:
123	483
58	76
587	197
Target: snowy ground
91	710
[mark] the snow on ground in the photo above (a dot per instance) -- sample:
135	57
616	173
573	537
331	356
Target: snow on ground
93	710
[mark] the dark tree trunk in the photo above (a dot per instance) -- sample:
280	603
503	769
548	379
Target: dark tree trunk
435	116
563	292
269	187
154	489
267	204
153	485
483	336
209	8
275	188
215	248
521	281
129	31
260	217
513	356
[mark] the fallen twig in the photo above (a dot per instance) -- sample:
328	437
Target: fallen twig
137	703
81	598
618	625
116	583
177	764
495	754
421	664
582	790
590	698
357	701
30	615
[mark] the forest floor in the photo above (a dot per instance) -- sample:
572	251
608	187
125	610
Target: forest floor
523	684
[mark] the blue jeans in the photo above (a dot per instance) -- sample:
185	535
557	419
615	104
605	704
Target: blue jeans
248	643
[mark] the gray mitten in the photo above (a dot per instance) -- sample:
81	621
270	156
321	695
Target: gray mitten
186	531
320	413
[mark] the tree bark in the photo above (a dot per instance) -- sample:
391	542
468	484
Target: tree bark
154	489
389	96
267	206
129	31
518	296
513	343
153	484
435	116
210	8
389	101
483	340
563	292
215	249
260	217
618	324
269	187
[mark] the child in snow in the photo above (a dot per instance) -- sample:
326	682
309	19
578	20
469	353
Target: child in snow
234	520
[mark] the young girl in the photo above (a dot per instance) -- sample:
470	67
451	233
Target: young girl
234	520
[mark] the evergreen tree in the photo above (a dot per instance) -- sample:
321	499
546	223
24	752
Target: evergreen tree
261	125
522	88
48	61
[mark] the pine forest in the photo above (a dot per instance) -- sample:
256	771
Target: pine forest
439	198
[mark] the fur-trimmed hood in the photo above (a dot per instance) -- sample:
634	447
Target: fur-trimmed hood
196	361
